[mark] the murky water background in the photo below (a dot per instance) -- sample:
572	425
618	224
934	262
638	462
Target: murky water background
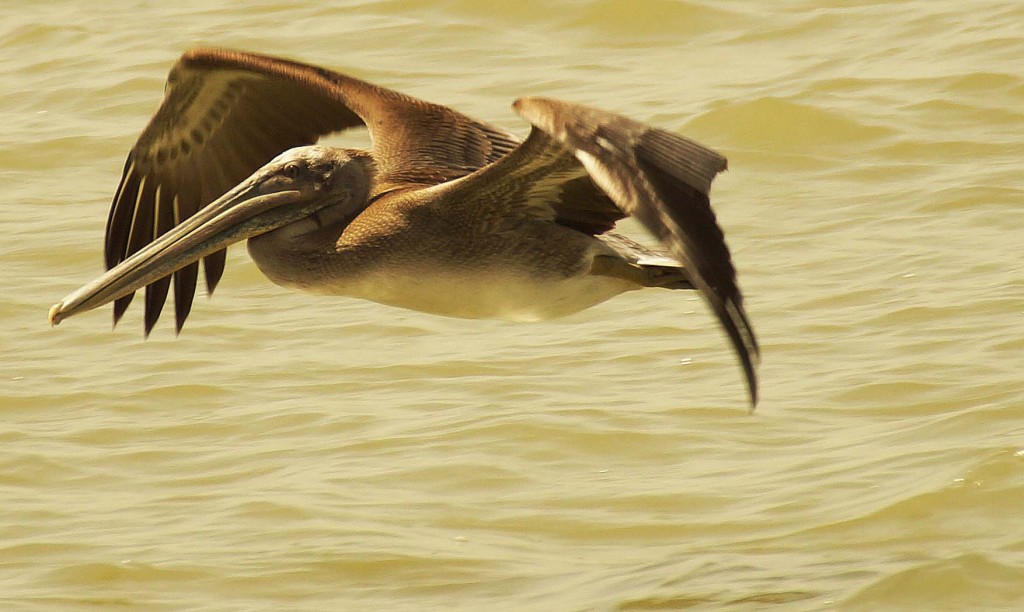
290	451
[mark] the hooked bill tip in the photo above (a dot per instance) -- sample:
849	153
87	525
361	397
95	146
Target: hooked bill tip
55	314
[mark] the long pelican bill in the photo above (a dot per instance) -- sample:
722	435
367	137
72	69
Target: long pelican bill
241	213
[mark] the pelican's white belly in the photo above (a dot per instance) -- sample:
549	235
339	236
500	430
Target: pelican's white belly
483	295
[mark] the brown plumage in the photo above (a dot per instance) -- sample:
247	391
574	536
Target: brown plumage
446	214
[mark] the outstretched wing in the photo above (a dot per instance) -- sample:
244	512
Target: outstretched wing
663	180
586	168
225	114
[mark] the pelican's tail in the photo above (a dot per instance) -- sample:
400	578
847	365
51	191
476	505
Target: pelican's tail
646	266
666	277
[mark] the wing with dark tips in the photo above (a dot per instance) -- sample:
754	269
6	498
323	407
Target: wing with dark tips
663	180
225	114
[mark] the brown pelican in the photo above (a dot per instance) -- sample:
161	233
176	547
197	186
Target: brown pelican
445	214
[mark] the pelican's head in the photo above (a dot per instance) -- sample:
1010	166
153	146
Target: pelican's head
300	182
307	180
331	184
314	169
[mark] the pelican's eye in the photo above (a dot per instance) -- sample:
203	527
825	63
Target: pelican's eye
292	170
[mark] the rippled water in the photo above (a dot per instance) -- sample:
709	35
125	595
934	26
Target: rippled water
289	451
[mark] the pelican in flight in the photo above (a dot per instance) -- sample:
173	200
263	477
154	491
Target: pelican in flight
445	215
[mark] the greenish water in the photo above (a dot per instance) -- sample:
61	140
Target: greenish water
290	451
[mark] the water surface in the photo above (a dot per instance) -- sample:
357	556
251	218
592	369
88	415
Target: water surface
290	451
